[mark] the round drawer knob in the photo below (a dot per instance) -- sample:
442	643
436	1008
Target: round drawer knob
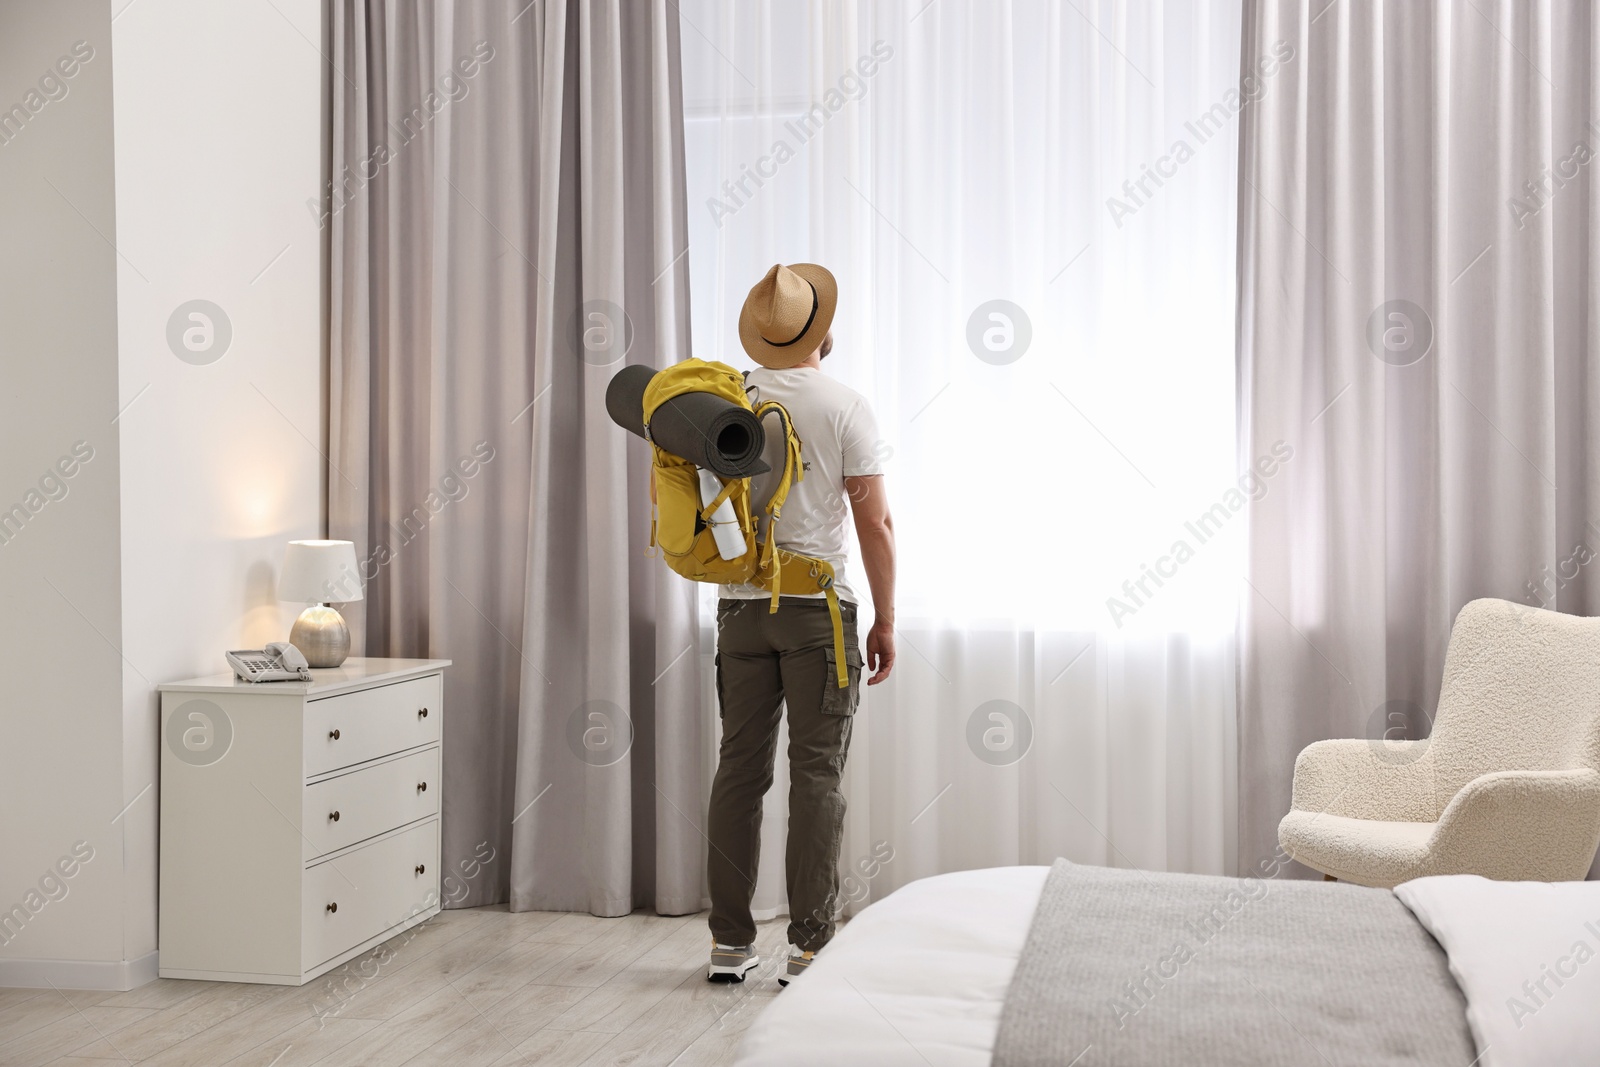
422	868
333	907
422	787
333	816
333	735
423	714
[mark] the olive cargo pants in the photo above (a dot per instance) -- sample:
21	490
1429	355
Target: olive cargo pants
764	661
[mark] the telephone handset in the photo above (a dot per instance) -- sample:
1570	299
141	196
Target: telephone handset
278	662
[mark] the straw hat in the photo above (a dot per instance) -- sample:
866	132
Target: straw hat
787	314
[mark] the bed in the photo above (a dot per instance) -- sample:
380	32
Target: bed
1025	966
922	972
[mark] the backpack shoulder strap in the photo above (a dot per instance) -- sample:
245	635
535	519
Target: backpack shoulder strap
793	467
793	471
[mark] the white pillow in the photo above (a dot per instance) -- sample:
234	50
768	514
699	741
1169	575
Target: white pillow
1527	956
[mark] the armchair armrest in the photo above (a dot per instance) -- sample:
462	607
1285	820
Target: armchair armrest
1360	779
1542	825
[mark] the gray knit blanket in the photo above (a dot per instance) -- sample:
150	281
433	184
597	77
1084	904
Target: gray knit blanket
1127	969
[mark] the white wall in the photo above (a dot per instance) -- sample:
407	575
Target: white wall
218	141
60	593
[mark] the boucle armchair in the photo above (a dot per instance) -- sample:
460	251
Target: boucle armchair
1508	784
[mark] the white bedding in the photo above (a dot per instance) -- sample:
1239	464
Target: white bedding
919	978
1527	956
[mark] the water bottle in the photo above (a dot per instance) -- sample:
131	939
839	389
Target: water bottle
724	522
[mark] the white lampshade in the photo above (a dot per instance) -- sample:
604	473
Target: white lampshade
320	572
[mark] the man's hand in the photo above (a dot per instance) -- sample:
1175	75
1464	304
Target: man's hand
880	651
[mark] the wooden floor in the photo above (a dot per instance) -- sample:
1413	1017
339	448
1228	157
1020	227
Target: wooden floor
466	988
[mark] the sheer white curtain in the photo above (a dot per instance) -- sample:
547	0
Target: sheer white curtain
1062	465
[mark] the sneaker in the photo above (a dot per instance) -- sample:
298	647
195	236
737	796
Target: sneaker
798	962
730	963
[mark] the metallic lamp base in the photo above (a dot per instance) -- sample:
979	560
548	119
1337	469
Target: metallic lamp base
321	635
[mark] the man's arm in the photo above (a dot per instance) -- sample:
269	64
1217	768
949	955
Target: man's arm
869	505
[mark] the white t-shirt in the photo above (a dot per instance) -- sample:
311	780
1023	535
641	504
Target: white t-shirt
838	439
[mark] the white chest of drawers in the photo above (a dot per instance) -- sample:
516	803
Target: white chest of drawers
299	820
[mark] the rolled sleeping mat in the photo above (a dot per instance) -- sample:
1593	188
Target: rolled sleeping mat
703	428
625	398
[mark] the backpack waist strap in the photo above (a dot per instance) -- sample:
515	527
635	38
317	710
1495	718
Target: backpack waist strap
801	575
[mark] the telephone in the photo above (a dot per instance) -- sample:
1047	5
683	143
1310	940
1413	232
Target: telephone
278	662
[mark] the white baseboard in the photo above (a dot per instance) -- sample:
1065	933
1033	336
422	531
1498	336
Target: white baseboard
78	974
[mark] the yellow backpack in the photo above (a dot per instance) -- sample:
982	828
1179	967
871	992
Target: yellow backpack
681	527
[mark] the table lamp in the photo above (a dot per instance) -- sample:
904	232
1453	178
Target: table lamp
315	573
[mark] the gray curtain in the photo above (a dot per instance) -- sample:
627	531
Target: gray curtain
611	764
1416	322
507	213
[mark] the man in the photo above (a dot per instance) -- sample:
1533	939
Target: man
766	660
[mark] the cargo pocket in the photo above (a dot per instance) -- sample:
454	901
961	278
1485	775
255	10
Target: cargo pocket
836	701
722	701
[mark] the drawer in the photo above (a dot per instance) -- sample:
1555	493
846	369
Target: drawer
353	807
360	895
357	727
